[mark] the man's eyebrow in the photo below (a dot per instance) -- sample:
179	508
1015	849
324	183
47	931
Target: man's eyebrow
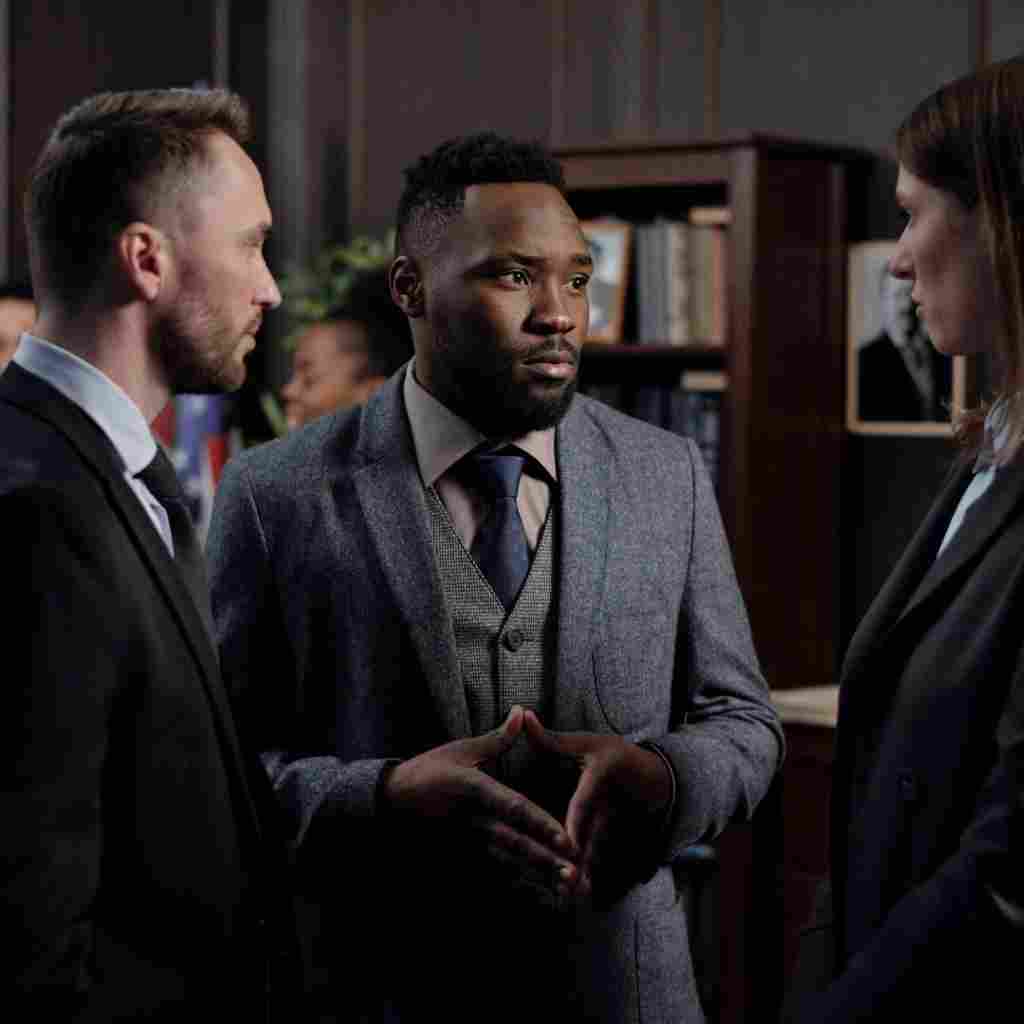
579	259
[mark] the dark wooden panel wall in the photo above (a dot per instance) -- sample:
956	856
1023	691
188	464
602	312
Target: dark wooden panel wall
346	92
60	52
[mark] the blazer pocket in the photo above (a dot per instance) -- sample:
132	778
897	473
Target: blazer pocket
633	659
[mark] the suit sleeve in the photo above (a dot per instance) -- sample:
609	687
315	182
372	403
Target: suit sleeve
259	659
973	901
727	748
58	703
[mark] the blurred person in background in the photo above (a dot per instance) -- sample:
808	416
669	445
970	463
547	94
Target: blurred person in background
339	362
17	314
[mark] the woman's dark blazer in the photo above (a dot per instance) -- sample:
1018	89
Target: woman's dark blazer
925	845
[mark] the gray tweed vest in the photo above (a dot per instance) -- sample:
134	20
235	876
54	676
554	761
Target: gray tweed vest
508	658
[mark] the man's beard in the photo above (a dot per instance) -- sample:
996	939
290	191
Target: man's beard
510	411
196	354
488	396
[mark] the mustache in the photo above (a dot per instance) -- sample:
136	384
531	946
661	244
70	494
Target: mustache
554	346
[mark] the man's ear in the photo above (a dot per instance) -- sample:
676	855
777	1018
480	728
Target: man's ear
407	286
143	257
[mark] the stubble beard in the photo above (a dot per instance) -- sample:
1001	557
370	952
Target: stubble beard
197	352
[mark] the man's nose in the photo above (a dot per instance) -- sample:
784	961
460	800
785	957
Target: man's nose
551	314
269	294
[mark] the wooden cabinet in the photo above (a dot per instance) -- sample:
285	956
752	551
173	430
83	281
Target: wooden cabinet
781	450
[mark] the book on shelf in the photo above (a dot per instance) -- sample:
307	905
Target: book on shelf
692	407
697	414
713	216
681	270
663	282
709	262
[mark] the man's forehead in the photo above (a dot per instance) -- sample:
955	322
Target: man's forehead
514	198
514	210
225	176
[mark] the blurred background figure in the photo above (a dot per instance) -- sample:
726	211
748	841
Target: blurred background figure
17	314
901	376
341	360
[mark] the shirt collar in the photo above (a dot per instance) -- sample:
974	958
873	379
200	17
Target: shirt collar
95	394
441	438
997	423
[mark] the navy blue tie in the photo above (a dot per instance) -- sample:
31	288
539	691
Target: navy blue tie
500	547
163	483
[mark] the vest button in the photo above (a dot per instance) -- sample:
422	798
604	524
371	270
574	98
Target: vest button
514	639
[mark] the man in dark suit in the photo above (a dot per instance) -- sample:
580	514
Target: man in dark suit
135	876
492	718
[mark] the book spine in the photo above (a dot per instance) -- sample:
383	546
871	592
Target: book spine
679	284
701	402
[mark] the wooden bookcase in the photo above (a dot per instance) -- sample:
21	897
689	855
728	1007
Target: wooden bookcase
782	433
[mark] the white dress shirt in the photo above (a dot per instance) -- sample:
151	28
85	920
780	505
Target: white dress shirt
108	407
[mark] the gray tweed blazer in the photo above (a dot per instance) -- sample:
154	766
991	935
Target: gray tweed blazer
338	650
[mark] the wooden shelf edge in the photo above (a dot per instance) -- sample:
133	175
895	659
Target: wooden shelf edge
781	144
710	356
808	705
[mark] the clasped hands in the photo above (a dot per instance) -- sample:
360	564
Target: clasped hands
585	860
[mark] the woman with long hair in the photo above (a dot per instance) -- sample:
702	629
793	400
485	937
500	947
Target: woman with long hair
925	916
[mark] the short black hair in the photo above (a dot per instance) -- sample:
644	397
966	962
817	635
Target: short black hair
435	185
368	303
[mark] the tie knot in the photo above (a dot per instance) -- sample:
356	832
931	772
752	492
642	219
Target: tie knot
161	480
495	473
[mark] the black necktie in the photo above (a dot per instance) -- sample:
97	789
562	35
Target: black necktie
163	483
500	547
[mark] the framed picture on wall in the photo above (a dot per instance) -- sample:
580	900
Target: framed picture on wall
609	240
897	382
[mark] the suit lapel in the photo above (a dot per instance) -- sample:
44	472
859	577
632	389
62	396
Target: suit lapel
394	508
584	499
916	561
917	591
984	520
36	397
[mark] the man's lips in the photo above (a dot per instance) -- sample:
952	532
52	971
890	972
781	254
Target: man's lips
561	358
560	365
554	353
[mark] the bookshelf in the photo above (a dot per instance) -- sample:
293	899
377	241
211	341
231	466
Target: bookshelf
781	449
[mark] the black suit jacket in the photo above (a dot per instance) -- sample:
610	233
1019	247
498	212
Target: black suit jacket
926	797
133	872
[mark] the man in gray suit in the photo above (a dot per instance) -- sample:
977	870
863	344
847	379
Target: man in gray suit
492	719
